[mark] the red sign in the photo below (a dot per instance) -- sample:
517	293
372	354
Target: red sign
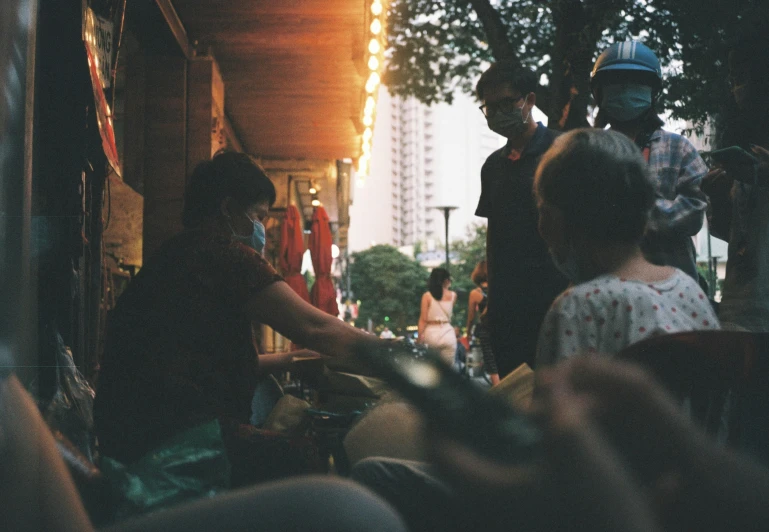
101	35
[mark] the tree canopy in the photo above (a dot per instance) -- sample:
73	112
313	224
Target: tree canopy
438	47
389	285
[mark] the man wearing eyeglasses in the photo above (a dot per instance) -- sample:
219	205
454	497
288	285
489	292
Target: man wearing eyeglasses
523	281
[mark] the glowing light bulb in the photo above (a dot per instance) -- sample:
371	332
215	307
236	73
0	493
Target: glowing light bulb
368	121
316	203
367	134
376	8
373	46
373	63
313	190
372	83
376	27
363	164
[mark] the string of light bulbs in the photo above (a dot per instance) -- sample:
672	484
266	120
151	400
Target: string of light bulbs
375	62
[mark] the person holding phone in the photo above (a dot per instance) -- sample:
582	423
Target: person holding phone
626	83
739	191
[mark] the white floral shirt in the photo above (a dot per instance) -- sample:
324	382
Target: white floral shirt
608	314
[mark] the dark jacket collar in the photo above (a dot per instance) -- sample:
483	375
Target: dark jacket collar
538	144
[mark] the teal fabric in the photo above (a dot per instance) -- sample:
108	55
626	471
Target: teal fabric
190	465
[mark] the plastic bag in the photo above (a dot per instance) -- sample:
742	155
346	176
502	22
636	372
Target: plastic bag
190	465
71	408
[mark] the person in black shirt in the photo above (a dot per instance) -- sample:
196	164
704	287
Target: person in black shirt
523	281
179	348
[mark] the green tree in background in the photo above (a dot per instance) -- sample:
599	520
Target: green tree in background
388	284
468	253
439	47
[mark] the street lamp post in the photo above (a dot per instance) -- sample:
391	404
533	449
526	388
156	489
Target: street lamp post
446	213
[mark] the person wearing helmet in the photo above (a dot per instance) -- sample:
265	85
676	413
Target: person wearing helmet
626	82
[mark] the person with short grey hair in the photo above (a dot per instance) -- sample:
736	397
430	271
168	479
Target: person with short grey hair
594	195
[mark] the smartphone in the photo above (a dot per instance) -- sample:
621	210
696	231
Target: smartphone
732	156
457	406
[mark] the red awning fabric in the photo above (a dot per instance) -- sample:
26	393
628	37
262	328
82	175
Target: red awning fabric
323	294
291	252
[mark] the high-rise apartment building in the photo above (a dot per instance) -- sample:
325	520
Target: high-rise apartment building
422	157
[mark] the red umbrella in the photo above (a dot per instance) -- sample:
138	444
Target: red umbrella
291	252
323	294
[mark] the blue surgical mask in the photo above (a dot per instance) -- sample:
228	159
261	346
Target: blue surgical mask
567	266
509	124
626	101
256	239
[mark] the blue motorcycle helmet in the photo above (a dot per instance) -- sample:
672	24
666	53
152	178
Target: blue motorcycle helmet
631	60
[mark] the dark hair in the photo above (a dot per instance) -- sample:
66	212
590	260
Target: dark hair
600	181
435	285
229	174
480	273
510	73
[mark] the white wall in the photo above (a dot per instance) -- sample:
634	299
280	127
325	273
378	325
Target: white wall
462	141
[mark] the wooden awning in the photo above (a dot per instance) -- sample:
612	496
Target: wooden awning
293	70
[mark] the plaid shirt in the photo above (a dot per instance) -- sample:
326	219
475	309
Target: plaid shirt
678	212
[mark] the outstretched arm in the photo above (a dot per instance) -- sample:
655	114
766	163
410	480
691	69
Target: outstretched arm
281	308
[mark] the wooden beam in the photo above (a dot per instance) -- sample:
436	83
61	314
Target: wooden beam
232	135
177	28
180	34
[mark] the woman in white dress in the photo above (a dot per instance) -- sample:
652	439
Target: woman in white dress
435	329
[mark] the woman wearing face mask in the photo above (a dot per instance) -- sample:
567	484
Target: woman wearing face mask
626	81
179	348
434	325
594	196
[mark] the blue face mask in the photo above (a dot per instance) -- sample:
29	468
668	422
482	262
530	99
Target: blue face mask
626	101
509	123
256	239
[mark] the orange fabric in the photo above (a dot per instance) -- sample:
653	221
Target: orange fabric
323	293
291	252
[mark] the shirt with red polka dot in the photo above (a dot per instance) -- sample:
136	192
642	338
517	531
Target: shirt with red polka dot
607	314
